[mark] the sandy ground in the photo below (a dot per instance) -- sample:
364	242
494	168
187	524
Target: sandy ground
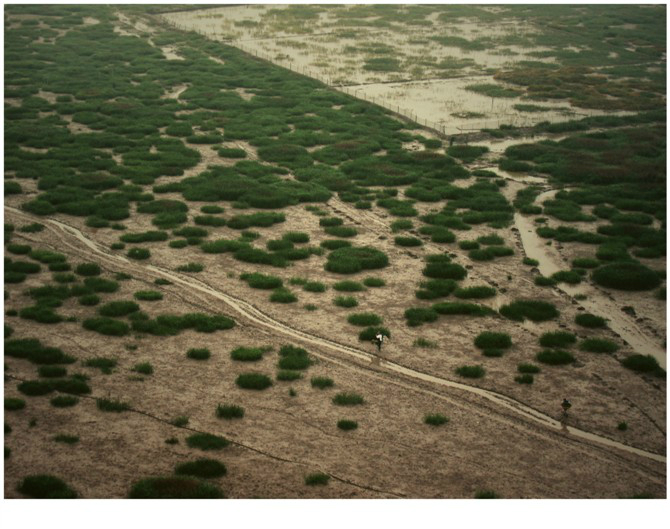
384	460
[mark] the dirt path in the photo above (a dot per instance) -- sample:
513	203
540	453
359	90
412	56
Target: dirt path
256	316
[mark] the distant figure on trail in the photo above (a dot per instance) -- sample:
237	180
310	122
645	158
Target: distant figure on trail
378	340
566	405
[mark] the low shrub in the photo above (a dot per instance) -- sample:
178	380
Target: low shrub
527	368
644	364
318	478
471	371
262	281
435	419
458	308
255	381
104	364
174	488
348	286
555	357
322	382
567	276
118	308
445	270
542	281
293	358
348	399
297	237
530	261
347	425
139	254
468	245
199	354
115	406
345	301
247	354
476	292
288	375
314	286
206	441
407	241
364	319
419	315
201	468
67	439
13	404
229	411
622	426
369	334
98	284
590	321
557	339
44	486
190	268
148	295
64	401
283	295
51	371
89	300
88	269
212	210
526	378
145	368
374	282
341	231
491	239
106	326
334	244
628	276
598	345
585	262
493	340
533	310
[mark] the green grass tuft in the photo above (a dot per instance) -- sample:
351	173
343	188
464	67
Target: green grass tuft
229	411
435	419
348	399
255	381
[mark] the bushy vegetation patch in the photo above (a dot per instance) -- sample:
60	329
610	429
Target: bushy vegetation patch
44	486
88	269
475	292
148	295
283	295
314	286
190	268
525	378
471	371
229	411
598	345
104	364
557	339
115	406
345	301
436	288
528	368
106	326
348	399
443	269
407	241
255	381
533	310
288	375
364	319
293	358
117	309
206	441
139	254
14	404
350	260
334	244
348	286
262	281
174	488
322	382
643	364
468	245
567	276
585	262
318	478
626	276
199	353
347	425
374	282
435	419
170	324
248	354
493	340
590	321
64	401
51	371
201	468
147	236
460	308
144	368
555	357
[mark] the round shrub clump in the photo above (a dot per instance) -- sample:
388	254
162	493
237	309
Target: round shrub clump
345	301
201	468
598	345
88	269
43	486
407	241
435	419
643	364
247	354
256	381
118	308
531	309
590	321
13	404
626	276
348	399
229	411
347	425
148	295
493	340
199	354
557	339
106	326
555	357
364	319
419	315
471	371
349	260
174	487
207	441
139	253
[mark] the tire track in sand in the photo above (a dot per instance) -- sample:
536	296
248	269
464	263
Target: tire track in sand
255	315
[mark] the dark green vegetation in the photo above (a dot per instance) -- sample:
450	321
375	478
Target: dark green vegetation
198	353
318	478
348	399
247	354
67	439
350	260
347	425
322	382
598	345
44	486
13	404
64	401
174	487
488	340
255	381
206	441
471	371
115	406
555	357
292	358
229	411
345	301
644	364
435	419
626	276
201	468
557	339
590	321
529	309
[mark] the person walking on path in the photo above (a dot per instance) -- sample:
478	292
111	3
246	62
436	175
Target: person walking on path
379	339
566	405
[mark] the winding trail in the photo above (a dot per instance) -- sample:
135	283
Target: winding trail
258	317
